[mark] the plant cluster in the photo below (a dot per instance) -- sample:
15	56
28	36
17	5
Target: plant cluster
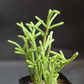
38	57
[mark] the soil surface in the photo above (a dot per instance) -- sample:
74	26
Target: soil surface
59	81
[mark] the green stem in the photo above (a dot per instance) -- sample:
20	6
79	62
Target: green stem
44	39
51	76
32	78
52	18
62	65
48	51
56	25
73	57
31	75
37	77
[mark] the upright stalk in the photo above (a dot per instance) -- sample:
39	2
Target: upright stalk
44	39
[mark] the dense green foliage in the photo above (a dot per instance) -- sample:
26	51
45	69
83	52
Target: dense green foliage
38	57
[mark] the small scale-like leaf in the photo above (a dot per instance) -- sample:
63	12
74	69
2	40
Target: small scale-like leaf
73	57
56	66
36	28
48	74
40	21
38	34
43	71
53	12
53	52
30	36
41	47
29	62
25	31
18	24
49	11
56	25
32	50
18	52
62	53
31	23
38	24
53	17
17	49
30	66
14	43
22	37
48	43
56	75
50	65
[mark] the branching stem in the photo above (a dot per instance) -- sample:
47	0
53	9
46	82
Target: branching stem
44	66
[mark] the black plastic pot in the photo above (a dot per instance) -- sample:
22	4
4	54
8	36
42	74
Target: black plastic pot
27	80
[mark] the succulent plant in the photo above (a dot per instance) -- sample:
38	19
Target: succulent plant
38	57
